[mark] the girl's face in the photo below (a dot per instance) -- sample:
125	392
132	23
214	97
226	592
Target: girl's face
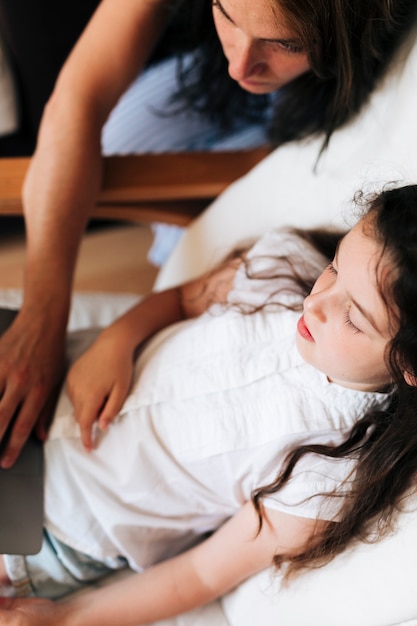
345	328
263	53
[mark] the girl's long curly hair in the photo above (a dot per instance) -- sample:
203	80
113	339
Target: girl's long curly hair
382	442
350	44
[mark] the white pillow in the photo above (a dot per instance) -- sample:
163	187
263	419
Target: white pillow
369	585
88	309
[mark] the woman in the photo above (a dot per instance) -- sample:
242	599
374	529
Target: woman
331	55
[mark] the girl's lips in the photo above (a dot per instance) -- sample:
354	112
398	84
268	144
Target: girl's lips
303	330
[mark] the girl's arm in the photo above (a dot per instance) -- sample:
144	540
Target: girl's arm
99	381
189	580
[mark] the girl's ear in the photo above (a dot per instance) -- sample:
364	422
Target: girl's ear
410	379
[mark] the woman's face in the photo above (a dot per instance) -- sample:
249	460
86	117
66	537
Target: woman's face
263	52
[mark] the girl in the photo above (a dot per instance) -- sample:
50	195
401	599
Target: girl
221	401
323	58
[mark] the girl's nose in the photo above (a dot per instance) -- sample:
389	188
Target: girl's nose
244	59
315	305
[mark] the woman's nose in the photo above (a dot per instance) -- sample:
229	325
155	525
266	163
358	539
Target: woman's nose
244	59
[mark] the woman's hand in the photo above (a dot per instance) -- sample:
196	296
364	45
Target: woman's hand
31	612
31	371
99	382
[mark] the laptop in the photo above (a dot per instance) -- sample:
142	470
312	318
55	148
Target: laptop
21	490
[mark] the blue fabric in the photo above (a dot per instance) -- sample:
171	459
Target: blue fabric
143	121
56	570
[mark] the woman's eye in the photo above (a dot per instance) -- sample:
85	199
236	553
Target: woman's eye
293	48
331	268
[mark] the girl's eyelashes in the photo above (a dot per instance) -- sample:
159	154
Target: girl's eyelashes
349	323
331	268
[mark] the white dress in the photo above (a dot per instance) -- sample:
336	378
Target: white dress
214	404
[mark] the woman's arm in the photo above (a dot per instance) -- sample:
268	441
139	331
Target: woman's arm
59	192
99	380
192	579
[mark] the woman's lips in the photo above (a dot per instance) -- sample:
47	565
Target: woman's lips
303	330
257	86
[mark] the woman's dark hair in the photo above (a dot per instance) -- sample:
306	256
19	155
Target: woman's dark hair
350	44
384	441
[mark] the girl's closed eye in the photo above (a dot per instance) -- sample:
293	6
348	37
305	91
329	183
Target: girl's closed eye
332	270
349	323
